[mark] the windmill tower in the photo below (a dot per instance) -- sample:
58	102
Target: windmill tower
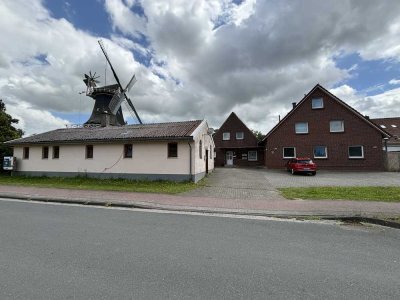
108	99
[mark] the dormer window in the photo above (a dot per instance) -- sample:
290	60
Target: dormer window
317	103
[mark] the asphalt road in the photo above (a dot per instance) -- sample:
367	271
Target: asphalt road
71	252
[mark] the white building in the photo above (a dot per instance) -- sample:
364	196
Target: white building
178	151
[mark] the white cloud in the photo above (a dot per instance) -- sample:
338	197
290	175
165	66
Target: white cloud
394	81
207	58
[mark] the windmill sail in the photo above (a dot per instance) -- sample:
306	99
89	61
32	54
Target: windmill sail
117	103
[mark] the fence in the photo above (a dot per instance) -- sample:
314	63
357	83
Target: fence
392	161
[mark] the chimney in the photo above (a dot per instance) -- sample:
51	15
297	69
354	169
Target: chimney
367	117
294	104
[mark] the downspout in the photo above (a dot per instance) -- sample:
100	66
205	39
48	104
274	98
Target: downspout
190	161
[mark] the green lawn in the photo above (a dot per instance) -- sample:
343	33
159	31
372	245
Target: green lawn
369	193
84	183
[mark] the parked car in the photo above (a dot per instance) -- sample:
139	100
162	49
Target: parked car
301	165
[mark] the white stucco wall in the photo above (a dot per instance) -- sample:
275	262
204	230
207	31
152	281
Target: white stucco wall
147	158
207	143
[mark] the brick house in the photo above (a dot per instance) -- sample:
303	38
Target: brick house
326	129
236	144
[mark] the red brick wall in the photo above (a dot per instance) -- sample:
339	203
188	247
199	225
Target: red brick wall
356	132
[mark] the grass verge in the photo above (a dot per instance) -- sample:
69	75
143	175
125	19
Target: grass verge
369	193
85	183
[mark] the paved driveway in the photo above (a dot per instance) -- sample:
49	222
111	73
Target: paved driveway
237	183
240	183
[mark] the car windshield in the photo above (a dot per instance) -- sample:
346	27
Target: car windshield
304	161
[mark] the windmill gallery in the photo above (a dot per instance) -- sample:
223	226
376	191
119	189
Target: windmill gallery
106	147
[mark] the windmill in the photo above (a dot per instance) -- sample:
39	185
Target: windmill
115	104
108	99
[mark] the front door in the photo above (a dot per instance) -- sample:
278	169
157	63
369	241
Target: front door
229	158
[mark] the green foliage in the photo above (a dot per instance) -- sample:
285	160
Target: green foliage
7	131
87	183
258	135
365	193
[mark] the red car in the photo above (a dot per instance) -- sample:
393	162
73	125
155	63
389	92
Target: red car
301	165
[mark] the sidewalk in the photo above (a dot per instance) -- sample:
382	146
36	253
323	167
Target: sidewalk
269	207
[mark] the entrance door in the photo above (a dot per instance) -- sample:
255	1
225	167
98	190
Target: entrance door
229	158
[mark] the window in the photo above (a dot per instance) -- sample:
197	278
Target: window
301	127
56	152
128	151
201	149
89	151
356	152
244	156
226	136
172	149
320	152
26	153
239	135
252	155
45	152
336	126
289	152
394	126
383	126
317	103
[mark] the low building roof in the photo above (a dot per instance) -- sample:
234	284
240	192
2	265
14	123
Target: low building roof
140	132
391	125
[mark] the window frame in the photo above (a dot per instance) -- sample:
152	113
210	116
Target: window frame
321	157
226	136
25	153
238	138
126	149
356	157
295	128
45	152
201	149
252	159
335	131
288	157
317	107
54	152
169	151
87	152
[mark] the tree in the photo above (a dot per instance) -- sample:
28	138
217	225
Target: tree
7	131
258	135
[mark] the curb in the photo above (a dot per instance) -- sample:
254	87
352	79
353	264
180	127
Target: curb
273	214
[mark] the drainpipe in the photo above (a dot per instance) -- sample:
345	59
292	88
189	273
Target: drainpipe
190	161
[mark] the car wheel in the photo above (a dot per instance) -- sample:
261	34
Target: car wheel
313	173
292	171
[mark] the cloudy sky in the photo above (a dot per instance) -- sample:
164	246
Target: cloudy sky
198	59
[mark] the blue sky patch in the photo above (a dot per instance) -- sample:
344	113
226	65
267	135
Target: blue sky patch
368	77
